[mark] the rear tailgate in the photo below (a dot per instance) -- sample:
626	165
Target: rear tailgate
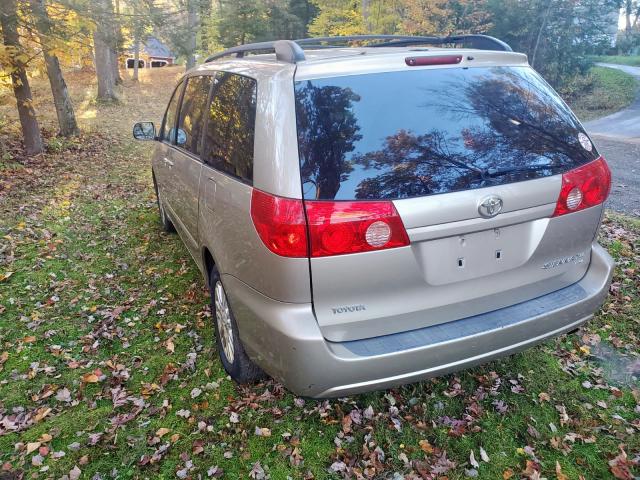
442	144
376	293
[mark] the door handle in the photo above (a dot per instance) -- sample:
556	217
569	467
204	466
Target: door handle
214	185
168	162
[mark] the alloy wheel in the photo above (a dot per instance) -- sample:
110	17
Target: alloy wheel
223	320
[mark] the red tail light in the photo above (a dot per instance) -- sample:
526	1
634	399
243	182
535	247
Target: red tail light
280	223
584	187
337	228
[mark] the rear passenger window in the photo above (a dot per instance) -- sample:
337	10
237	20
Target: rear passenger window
192	111
230	131
169	122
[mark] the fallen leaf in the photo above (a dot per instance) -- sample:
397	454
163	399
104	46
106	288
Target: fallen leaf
75	473
32	447
63	395
90	378
620	467
5	275
472	460
483	455
559	474
426	447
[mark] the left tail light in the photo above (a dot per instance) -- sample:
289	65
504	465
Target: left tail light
584	187
330	228
280	223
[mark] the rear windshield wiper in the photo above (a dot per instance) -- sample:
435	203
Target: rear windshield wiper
497	172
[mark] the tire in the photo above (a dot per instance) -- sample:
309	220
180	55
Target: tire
165	221
230	349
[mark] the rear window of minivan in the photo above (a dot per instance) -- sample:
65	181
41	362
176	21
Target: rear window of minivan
403	134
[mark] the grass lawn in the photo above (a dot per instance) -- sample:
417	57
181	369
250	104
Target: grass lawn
108	366
610	90
633	60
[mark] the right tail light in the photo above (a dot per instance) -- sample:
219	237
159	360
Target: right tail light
336	228
584	187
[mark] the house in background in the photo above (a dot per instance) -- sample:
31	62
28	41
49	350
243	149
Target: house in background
153	54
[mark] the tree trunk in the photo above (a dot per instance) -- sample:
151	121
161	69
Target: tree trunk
539	36
64	107
192	25
102	46
22	91
136	57
115	65
365	16
115	48
205	13
104	71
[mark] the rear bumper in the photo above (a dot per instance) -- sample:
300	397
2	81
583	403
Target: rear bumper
284	338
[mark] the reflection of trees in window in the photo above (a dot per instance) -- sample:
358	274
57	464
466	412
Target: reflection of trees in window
508	119
170	115
192	111
412	165
327	131
230	131
524	122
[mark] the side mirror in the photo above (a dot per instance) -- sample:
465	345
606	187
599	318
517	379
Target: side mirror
144	131
181	139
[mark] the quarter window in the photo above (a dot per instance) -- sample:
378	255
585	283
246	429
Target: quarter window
231	126
192	113
169	122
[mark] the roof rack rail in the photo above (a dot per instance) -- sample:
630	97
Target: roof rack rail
481	42
291	51
285	50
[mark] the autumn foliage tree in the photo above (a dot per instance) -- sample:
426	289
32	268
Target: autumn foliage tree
17	59
61	99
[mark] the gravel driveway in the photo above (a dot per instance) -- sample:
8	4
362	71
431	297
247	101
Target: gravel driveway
617	137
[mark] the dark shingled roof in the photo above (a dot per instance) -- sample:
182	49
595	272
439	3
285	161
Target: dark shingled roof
155	48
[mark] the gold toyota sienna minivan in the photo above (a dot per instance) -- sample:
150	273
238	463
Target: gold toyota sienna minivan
375	210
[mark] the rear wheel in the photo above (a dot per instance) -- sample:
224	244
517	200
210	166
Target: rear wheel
165	221
232	355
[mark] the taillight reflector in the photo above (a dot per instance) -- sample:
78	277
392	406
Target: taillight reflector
584	187
337	228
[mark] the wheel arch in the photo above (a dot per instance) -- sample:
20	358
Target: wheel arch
208	260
